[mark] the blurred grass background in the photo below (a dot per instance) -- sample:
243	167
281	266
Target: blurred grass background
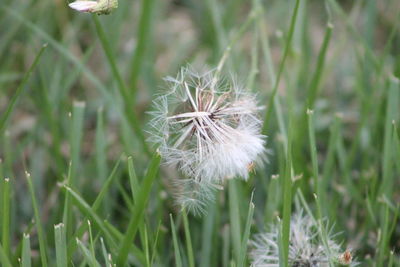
79	120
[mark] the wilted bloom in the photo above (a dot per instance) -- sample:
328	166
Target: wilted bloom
306	248
99	7
208	127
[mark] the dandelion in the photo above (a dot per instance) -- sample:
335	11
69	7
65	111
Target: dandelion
99	7
306	248
208	127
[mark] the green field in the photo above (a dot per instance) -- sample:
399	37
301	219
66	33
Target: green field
81	185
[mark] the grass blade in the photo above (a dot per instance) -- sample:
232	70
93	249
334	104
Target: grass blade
313	89
26	251
272	79
106	256
189	248
18	92
131	116
90	258
384	237
330	156
78	110
119	236
396	142
178	260
89	212
225	246
61	245
39	227
4	260
140	205
67	202
246	234
314	161
392	113
313	150
6	217
91	243
100	197
154	247
146	246
234	217
101	144
281	67
287	201
316	78
78	113
134	183
208	232
143	37
390	264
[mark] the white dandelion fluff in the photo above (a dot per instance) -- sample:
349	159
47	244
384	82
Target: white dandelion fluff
306	248
208	127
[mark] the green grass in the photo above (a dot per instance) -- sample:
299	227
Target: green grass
38	221
61	245
26	252
81	186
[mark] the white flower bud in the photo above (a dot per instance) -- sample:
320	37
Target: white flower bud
99	7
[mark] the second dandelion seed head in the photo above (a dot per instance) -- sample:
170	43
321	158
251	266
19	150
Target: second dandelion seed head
306	247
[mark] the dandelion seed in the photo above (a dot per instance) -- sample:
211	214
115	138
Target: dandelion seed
208	127
306	248
99	7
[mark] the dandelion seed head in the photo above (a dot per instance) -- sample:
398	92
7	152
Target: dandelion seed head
208	127
305	246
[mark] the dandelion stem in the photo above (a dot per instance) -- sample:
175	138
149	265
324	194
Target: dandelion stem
143	36
127	96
